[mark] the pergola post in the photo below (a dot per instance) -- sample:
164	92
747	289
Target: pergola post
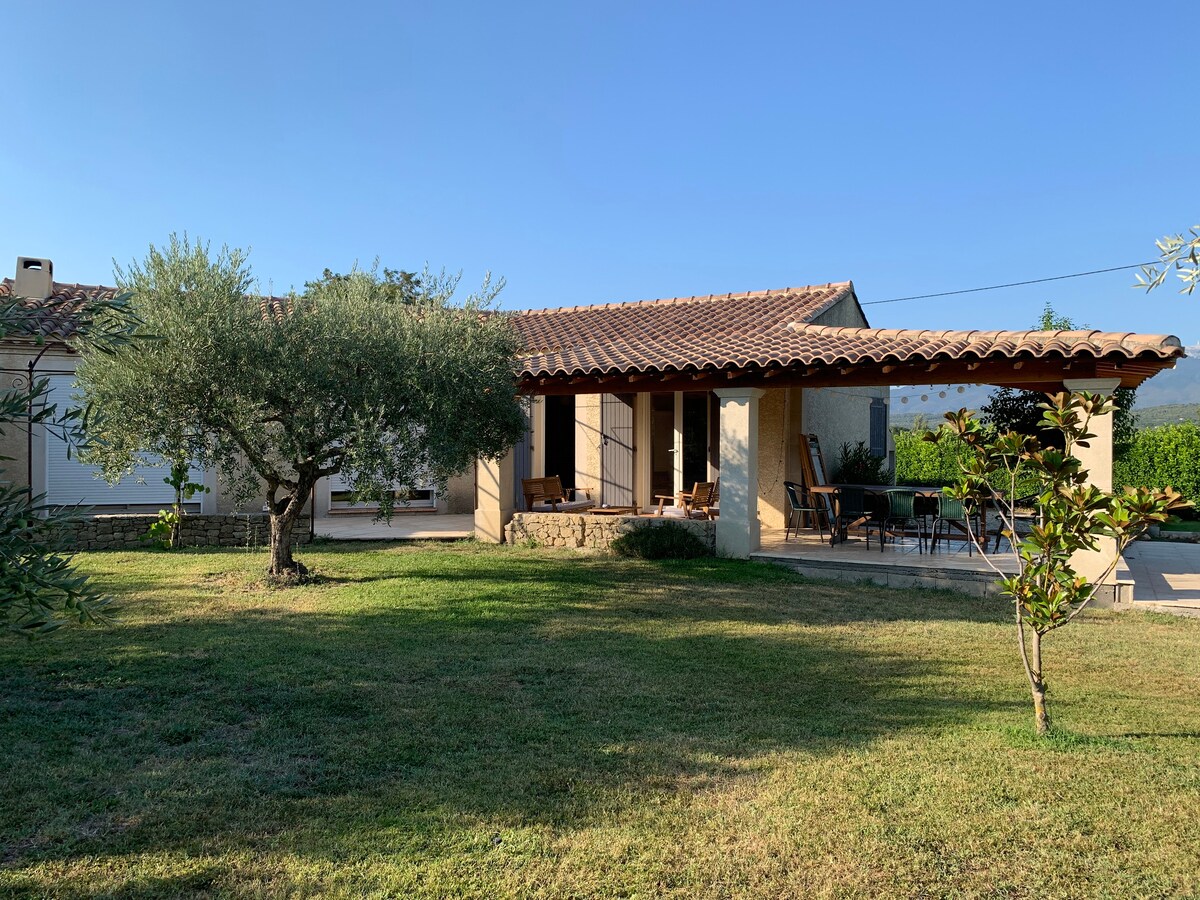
1097	459
496	488
737	525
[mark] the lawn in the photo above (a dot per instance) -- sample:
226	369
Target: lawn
473	721
1182	526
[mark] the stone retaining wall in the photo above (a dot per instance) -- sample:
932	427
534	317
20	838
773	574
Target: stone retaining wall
594	532
125	532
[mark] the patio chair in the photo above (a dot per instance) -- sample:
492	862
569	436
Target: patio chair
548	495
697	503
798	506
853	512
955	513
901	510
1023	522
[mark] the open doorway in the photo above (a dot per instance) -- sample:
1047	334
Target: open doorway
559	457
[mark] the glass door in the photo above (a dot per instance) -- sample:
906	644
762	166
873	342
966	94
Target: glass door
662	445
682	448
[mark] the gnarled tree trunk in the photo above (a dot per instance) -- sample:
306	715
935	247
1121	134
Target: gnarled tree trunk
284	514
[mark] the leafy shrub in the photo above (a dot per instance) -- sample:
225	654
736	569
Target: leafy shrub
858	465
661	541
1168	455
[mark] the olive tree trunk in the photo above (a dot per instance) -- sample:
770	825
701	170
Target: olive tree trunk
284	515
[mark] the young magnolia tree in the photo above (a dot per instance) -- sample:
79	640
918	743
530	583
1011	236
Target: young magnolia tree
40	590
1073	516
383	379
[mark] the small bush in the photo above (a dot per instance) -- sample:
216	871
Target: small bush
665	541
858	465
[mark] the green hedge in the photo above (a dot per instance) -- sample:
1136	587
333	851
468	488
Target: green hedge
926	463
1168	455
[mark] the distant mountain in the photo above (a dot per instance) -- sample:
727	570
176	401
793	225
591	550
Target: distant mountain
1167	397
1169	414
1178	385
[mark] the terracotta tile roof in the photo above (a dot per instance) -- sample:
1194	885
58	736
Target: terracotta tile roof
718	330
54	317
772	329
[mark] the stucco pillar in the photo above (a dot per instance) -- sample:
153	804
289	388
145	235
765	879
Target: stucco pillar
1097	459
737	526
496	487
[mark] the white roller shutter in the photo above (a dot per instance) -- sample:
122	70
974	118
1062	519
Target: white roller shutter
69	482
340	488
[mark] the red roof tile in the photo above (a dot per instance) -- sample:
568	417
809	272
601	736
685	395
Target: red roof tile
771	329
54	317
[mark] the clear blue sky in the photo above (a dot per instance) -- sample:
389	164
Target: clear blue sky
597	152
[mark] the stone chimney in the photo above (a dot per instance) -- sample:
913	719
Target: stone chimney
35	278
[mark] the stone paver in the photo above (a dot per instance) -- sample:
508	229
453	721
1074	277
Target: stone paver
1166	575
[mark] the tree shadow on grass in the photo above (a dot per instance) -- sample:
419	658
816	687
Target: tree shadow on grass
602	688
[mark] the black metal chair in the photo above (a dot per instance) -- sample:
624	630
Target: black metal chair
798	506
852	510
901	510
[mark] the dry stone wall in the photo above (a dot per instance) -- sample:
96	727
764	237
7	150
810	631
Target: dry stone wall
125	532
586	532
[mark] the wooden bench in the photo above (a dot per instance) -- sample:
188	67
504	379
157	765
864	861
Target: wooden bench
548	495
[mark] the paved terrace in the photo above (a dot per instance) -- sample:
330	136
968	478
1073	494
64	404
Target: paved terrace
406	526
899	565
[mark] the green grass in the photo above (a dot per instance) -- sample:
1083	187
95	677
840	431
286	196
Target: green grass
471	721
1181	526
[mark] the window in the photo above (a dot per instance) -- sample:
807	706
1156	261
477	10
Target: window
879	427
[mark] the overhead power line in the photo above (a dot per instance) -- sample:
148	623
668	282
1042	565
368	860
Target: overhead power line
996	287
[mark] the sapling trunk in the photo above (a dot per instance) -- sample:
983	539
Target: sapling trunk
1037	684
175	541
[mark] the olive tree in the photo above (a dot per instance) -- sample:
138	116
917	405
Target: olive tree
390	387
1073	516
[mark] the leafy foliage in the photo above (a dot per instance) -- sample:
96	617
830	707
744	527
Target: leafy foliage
1169	455
858	465
40	589
1178	251
1073	516
922	462
167	528
667	540
381	378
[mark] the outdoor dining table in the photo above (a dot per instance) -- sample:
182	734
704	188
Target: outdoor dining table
879	490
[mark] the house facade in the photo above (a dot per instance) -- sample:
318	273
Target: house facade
629	401
41	459
662	433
